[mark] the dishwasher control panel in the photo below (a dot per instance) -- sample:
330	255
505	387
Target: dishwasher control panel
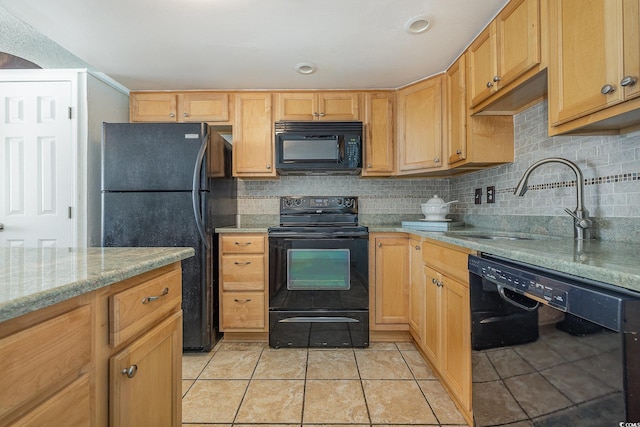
597	302
526	283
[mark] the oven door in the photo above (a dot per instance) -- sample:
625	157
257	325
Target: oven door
318	291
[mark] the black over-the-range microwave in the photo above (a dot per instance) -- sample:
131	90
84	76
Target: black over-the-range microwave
318	147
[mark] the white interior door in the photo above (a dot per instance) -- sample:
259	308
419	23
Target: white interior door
36	191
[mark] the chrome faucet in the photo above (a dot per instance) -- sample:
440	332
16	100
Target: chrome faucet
581	224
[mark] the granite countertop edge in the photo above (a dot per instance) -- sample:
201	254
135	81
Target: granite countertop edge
603	261
93	280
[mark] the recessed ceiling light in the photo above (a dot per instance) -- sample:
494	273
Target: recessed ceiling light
417	25
305	68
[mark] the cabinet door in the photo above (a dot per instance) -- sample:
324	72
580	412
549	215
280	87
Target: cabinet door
338	106
585	55
296	106
145	378
391	295
204	107
631	49
518	39
455	362
482	66
417	291
153	107
457	111
378	139
420	127
253	143
433	328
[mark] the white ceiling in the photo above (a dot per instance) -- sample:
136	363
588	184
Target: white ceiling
254	44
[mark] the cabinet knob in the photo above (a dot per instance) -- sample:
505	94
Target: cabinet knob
321	114
242	263
268	166
458	151
379	244
315	114
436	160
1	227
496	79
242	300
628	81
607	89
172	115
369	165
417	247
489	84
185	114
242	243
130	372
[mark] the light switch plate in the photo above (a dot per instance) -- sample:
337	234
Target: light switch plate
491	194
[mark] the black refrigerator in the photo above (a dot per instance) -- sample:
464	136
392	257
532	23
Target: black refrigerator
157	191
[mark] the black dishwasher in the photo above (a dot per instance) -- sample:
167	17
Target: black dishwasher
581	370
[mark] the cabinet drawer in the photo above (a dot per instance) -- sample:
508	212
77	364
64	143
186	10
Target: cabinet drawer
137	308
245	244
243	273
38	359
243	310
446	260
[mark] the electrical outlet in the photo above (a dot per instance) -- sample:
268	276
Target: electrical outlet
478	197
491	194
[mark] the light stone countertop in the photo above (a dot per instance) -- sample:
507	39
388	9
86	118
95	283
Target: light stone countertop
610	262
34	278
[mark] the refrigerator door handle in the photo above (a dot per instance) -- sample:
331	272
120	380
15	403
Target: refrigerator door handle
195	196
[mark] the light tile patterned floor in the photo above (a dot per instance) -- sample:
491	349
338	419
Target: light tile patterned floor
249	384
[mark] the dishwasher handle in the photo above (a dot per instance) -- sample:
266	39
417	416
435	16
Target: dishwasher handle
504	296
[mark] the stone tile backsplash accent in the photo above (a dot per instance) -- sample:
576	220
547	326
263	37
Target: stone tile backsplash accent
610	164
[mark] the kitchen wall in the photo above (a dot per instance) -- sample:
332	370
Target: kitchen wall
610	164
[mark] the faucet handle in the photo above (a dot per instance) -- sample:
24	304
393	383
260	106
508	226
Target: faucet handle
580	222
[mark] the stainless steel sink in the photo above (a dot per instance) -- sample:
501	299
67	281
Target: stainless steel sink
495	237
484	236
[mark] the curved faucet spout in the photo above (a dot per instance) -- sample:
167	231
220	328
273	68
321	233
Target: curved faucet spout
580	214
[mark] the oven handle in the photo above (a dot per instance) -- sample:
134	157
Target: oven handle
517	304
319	319
294	235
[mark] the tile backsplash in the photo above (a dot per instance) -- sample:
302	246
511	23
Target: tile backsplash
610	164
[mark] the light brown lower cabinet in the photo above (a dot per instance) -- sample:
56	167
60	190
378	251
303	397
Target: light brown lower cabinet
144	374
109	357
446	340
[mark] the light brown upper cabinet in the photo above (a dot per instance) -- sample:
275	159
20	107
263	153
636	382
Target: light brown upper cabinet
594	65
476	141
317	106
379	152
179	107
509	47
253	144
419	132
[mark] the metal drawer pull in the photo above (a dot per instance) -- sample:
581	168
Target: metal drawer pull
130	372
243	243
146	300
322	319
242	300
242	263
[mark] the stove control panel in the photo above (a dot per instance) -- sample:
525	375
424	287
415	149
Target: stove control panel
318	204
